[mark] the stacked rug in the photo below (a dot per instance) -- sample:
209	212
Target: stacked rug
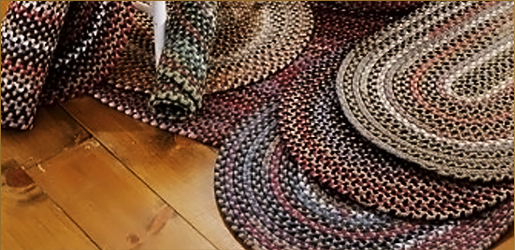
341	125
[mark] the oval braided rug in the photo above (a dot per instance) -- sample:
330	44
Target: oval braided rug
331	151
268	204
436	88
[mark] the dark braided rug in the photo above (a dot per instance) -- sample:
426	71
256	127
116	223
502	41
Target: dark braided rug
269	204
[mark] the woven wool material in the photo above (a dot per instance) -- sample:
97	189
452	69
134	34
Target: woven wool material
128	91
52	51
246	50
438	89
268	204
255	40
328	148
218	116
239	38
182	70
26	59
378	7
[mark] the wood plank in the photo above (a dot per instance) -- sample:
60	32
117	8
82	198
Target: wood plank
4	5
53	131
178	169
110	204
30	220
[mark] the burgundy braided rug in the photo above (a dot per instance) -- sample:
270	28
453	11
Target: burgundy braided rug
269	204
52	51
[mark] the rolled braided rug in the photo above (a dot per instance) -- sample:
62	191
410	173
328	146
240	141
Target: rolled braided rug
330	150
268	203
182	70
238	45
52	51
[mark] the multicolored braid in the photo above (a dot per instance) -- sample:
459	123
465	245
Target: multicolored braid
182	70
52	51
30	34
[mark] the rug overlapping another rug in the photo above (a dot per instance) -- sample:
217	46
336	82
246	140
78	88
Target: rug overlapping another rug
342	125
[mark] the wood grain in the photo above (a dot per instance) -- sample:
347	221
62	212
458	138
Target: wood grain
4	5
30	220
178	169
54	130
109	203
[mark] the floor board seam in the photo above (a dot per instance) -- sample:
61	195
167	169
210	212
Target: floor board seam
136	175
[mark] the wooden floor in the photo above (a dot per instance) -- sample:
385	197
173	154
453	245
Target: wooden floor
89	177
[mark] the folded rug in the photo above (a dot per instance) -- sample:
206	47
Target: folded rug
52	51
269	204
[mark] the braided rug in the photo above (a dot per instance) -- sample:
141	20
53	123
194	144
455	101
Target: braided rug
249	45
248	38
330	150
269	204
52	51
181	74
129	88
437	89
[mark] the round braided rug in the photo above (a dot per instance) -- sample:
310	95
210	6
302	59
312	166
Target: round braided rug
331	151
437	89
268	204
255	40
52	51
